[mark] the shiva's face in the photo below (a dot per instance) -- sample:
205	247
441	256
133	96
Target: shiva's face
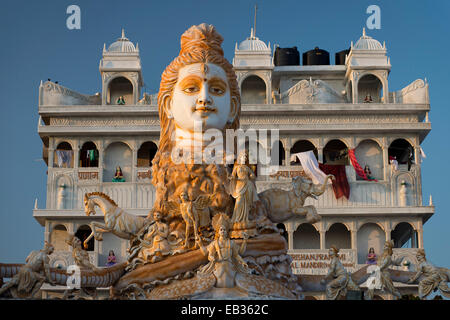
201	95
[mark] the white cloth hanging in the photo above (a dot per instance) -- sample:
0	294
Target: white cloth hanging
422	154
310	165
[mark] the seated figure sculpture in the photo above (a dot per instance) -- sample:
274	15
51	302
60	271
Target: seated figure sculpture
28	281
224	254
433	278
341	279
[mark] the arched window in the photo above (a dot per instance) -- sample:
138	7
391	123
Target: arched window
58	238
370	89
253	91
306	237
117	154
277	147
339	236
335	152
402	151
302	146
370	235
120	91
146	153
63	156
369	153
88	155
83	233
404	236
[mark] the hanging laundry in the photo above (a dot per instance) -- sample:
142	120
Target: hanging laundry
359	170
340	183
310	165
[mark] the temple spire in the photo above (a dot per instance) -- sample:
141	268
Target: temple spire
123	33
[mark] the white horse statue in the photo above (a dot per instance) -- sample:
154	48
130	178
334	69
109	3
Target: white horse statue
117	221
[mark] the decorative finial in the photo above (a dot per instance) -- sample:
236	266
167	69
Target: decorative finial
35	204
431	200
251	33
137	46
364	32
254	26
123	33
104	47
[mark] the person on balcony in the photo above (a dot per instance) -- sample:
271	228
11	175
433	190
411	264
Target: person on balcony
118	176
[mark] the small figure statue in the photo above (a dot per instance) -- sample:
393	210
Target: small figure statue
371	257
243	189
121	100
155	241
118	176
28	281
368	99
81	259
224	254
190	212
62	195
402	194
368	173
384	263
393	162
80	256
111	259
433	278
341	278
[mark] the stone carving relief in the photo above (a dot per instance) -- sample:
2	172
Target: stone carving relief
309	91
55	94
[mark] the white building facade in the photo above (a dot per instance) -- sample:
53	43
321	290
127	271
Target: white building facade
328	109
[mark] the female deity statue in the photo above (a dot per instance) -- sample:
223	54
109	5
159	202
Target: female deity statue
198	91
224	254
118	176
243	189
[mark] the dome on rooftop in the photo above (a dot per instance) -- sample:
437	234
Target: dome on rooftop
122	45
253	43
367	43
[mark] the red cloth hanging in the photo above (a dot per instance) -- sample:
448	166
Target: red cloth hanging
359	170
340	184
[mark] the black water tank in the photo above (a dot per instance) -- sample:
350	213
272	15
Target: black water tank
287	57
339	57
316	57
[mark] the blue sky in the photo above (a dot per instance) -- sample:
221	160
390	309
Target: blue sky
37	45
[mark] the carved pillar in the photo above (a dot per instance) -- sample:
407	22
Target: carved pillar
322	238
51	157
134	165
101	159
388	231
320	154
386	166
354	88
287	151
354	239
290	230
76	155
420	235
